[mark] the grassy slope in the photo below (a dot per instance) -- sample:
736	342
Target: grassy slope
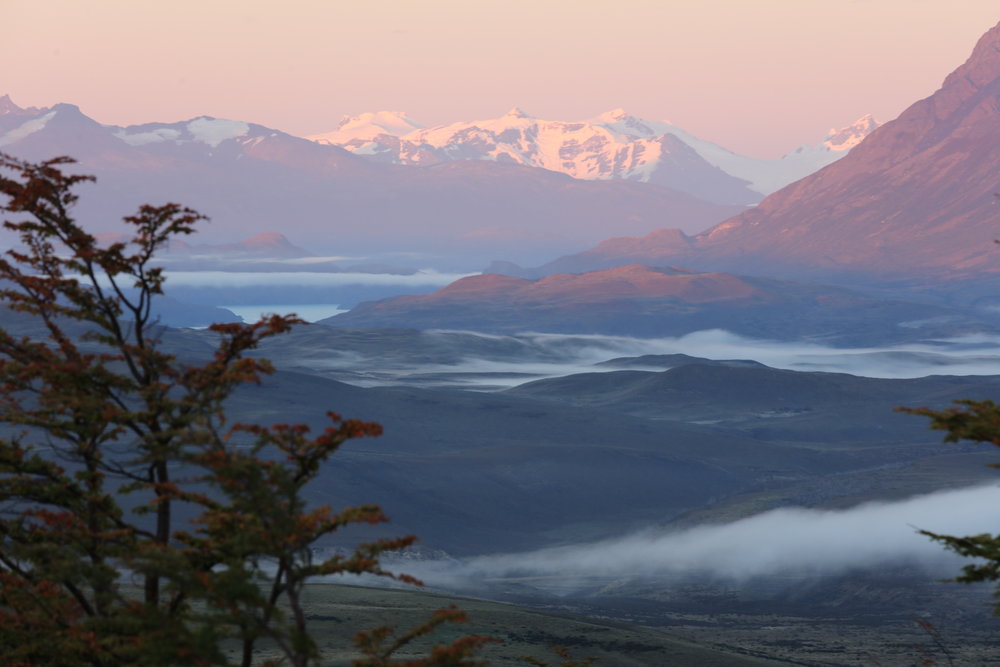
337	612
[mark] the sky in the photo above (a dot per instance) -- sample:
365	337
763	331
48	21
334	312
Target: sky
759	77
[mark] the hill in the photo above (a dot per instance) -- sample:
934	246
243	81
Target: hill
638	300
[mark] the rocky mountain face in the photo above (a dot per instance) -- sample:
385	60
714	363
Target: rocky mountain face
614	145
12	115
916	198
252	179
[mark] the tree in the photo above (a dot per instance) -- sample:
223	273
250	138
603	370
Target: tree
111	441
978	421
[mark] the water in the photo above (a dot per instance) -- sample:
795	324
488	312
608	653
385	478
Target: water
310	312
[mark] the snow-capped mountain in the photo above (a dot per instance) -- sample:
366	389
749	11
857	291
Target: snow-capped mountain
614	145
251	179
916	201
767	176
356	131
202	130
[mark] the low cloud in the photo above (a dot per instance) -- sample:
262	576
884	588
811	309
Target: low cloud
807	542
542	355
970	355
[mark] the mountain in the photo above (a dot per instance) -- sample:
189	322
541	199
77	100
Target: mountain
252	179
915	199
365	132
767	176
734	392
266	245
657	248
263	246
640	300
614	145
12	116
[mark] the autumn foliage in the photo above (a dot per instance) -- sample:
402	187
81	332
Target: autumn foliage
109	441
976	421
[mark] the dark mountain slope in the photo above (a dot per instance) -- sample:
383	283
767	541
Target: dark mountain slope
916	193
767	402
914	199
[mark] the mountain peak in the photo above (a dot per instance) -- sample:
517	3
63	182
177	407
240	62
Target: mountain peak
614	116
264	245
850	136
913	199
516	112
270	244
213	131
366	127
615	145
619	120
68	108
983	65
384	119
7	106
267	239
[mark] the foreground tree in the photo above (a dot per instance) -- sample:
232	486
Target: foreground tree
136	525
977	421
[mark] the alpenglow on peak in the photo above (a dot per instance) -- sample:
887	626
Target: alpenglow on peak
517	112
612	146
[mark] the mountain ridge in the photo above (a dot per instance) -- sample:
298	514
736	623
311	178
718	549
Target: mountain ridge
251	179
644	301
914	200
613	145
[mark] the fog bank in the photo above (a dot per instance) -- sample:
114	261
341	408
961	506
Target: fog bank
788	541
533	356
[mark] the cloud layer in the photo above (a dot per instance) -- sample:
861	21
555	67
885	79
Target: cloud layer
554	355
789	541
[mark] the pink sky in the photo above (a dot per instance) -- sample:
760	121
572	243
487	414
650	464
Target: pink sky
757	76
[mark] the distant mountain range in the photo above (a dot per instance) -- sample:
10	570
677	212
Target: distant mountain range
614	145
263	246
917	200
251	179
912	200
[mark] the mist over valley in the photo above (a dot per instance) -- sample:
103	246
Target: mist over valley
622	372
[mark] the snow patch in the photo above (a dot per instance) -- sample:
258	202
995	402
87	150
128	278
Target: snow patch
213	131
766	176
250	142
516	112
26	128
613	145
152	137
367	126
848	137
370	148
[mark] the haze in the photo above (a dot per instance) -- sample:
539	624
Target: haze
758	77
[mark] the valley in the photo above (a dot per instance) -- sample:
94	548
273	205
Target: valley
633	460
641	395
